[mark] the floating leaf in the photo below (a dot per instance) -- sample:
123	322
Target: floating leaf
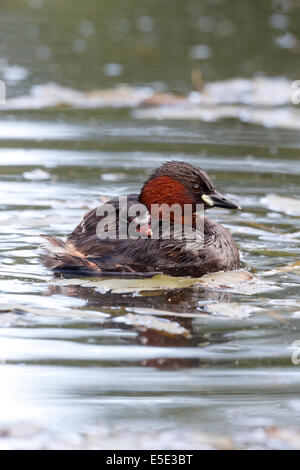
229	278
121	285
235	281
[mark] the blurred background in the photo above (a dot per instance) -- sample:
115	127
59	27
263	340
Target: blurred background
96	44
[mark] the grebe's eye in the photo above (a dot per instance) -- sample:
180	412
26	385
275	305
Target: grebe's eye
196	188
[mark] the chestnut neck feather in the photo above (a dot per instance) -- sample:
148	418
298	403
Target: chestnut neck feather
165	190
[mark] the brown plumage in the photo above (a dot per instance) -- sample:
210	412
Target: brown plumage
85	254
60	256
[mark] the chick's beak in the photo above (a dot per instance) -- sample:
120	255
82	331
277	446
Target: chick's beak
145	229
218	200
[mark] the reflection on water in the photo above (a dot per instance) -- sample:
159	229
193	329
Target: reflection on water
157	368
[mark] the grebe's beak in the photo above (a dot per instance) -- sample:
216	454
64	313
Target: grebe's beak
218	200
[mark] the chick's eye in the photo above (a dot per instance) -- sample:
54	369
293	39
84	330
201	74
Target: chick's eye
196	188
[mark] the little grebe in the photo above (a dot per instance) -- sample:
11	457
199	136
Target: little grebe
85	253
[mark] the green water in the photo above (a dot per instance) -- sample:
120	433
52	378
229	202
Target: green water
69	359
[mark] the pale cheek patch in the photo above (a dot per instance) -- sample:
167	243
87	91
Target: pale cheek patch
208	200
